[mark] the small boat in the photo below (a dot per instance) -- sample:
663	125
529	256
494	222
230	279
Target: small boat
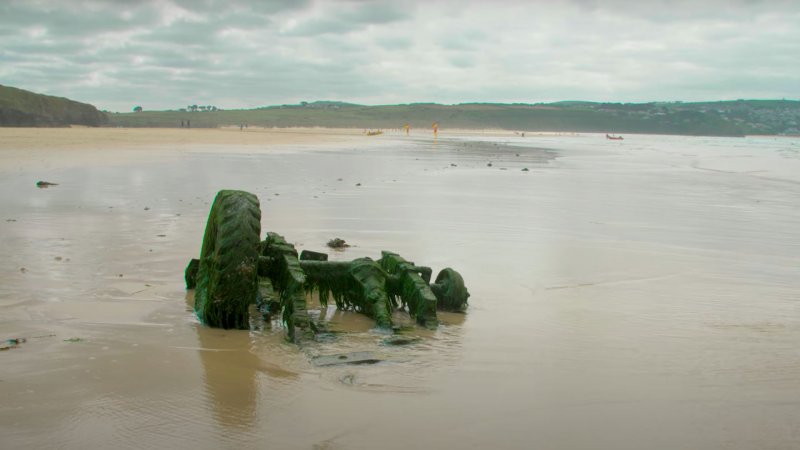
614	138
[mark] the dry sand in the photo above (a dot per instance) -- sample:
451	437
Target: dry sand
29	147
102	138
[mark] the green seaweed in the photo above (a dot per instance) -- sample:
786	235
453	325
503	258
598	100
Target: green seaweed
190	274
267	301
357	285
410	286
330	279
289	282
372	296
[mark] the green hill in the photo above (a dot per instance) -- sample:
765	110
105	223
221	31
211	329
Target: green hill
21	108
727	118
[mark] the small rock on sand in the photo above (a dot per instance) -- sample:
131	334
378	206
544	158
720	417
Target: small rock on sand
338	243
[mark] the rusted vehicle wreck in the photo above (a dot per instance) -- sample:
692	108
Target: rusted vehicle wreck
236	270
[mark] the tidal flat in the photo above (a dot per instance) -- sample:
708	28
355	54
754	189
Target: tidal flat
636	294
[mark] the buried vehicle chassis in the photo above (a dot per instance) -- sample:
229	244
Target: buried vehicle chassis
236	270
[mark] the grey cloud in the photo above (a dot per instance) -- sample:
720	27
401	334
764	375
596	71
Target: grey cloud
182	33
462	61
245	20
453	43
34	48
395	43
165	54
215	7
349	17
321	26
176	59
377	13
66	19
464	40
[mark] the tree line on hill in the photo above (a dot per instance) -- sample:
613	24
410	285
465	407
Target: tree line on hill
201	108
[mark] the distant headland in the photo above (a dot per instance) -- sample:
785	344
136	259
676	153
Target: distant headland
21	108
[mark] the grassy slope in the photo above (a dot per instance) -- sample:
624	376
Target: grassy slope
25	108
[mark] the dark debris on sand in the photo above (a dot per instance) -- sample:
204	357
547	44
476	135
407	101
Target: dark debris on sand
338	243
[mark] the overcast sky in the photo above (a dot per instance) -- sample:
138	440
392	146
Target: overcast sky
237	54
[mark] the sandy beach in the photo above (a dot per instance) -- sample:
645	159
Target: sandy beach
640	294
29	148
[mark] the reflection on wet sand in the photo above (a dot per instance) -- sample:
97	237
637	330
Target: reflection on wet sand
229	370
231	373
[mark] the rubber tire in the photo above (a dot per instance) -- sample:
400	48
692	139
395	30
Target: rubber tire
227	279
453	295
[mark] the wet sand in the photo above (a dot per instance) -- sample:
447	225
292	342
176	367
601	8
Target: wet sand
625	295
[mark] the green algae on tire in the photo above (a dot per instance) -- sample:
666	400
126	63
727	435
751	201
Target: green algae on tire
451	293
190	274
227	276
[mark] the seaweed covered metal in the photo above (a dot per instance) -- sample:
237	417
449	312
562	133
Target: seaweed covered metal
411	287
289	280
235	271
356	285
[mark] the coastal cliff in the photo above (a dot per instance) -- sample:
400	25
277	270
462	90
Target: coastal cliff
21	108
